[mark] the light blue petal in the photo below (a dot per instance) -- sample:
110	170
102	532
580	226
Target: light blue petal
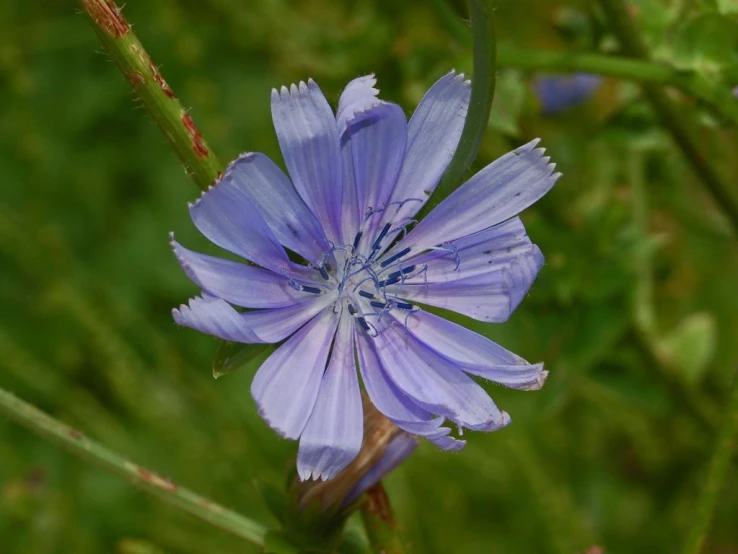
240	284
489	296
433	135
474	353
358	95
377	138
498	192
307	134
434	383
287	384
228	218
216	317
332	438
275	196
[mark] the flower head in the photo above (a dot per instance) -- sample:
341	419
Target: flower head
560	92
347	298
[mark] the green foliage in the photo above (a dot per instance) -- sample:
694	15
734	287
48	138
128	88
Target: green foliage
635	312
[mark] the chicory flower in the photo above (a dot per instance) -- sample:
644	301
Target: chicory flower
557	93
341	269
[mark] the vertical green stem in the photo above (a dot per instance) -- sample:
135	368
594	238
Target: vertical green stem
480	104
670	115
157	96
716	475
146	480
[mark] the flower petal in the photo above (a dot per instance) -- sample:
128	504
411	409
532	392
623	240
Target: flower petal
228	218
275	196
474	353
358	95
332	438
377	137
498	192
491	296
216	317
394	404
433	135
307	134
240	284
287	384
436	384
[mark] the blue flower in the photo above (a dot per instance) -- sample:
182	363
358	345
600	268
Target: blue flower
558	93
341	268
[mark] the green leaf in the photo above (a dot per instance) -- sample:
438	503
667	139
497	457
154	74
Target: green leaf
691	345
234	355
708	44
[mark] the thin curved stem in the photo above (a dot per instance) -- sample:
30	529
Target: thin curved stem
165	489
716	474
669	113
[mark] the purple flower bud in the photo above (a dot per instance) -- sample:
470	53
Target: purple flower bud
560	92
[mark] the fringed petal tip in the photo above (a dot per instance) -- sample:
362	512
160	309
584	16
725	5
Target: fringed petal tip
503	420
539	381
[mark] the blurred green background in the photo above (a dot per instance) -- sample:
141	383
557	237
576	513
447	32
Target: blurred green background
635	313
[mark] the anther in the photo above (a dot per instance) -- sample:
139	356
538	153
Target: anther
313	290
351	309
365	294
363	323
381	236
323	272
394	257
403	271
380	305
357	239
404	305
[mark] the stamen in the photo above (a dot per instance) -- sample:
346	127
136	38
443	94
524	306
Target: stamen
351	309
403	271
388	282
313	290
394	257
380	305
323	272
294	284
357	239
381	236
404	306
365	294
363	323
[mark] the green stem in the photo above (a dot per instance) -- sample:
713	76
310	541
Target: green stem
158	98
379	522
642	71
716	475
669	113
148	481
480	103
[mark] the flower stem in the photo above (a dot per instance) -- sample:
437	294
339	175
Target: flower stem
480	104
379	522
158	98
148	481
716	475
642	71
668	112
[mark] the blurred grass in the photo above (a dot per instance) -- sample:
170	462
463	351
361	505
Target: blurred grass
611	452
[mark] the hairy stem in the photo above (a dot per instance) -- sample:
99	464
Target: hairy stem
146	480
157	96
669	113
